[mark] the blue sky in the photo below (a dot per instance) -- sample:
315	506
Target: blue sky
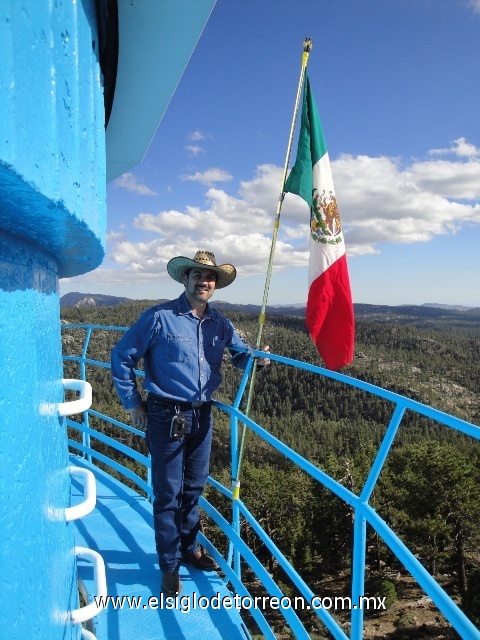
397	85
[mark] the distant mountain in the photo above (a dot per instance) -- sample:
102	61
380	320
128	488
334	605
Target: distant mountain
375	312
452	307
407	313
75	299
274	310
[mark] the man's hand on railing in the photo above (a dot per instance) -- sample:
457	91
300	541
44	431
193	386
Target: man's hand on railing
139	416
263	362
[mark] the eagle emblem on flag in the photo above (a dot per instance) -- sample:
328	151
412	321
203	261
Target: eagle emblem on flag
325	223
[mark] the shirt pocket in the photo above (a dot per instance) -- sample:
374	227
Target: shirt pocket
215	353
179	348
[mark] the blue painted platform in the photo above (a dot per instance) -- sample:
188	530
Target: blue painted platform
120	528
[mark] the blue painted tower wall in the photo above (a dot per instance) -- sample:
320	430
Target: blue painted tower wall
52	224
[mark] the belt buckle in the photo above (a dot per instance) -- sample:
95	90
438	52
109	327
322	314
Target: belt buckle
196	405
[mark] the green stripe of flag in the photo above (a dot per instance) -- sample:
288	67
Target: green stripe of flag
311	147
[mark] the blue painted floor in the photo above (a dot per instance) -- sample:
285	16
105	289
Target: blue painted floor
121	529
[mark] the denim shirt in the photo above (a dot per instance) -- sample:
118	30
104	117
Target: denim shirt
182	353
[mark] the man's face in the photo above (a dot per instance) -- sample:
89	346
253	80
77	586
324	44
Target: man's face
200	284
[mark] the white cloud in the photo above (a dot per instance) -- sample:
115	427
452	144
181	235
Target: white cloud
460	147
194	150
249	253
452	180
209	177
196	135
107	277
253	208
475	4
380	201
129	181
114	237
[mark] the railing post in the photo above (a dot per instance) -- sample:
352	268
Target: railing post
358	572
382	453
149	476
86	435
234	470
86	342
83	373
235	509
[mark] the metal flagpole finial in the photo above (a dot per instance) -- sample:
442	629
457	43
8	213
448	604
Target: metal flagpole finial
307	45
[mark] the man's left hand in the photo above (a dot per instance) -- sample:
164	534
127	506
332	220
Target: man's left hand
263	362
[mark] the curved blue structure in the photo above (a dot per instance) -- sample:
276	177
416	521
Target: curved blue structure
53	218
53	164
364	512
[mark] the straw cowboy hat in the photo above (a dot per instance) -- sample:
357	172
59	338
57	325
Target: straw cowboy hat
226	273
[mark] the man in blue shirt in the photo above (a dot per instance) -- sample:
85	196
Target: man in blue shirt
182	344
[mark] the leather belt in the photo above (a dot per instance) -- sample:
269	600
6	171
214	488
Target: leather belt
183	406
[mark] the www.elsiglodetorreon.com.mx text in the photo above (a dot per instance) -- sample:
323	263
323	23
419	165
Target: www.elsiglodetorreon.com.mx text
192	602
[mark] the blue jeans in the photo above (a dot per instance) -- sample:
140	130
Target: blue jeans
179	474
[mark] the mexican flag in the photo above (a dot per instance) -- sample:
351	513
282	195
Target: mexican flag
329	307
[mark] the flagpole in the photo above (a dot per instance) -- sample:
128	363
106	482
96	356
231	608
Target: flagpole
307	47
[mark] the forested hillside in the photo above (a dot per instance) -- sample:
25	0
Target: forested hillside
430	490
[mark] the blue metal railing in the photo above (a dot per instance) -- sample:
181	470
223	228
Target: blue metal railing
364	512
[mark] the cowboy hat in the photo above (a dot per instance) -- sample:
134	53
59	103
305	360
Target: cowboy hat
226	273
